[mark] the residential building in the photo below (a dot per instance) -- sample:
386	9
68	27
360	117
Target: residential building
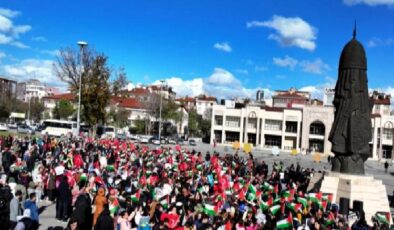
34	89
328	97
291	98
186	102
204	105
7	89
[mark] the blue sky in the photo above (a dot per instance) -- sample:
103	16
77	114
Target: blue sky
223	48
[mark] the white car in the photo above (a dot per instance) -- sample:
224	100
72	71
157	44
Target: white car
143	139
3	127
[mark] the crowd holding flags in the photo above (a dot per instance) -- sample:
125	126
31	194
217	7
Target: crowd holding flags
176	188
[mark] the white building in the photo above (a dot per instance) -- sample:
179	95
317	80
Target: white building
34	89
204	105
297	128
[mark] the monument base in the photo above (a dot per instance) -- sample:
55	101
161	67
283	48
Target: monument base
367	189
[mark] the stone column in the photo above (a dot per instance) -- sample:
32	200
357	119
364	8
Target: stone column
241	133
257	130
375	154
262	133
223	127
298	136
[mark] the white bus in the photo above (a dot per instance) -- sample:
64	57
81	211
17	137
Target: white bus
59	128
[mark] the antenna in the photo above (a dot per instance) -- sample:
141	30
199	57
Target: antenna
355	29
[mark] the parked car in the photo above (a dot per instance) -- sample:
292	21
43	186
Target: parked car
144	139
121	136
192	142
25	129
3	127
12	126
180	141
171	141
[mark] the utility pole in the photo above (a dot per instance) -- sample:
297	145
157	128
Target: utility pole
161	104
81	45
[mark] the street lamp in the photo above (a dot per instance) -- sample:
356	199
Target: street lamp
81	45
161	104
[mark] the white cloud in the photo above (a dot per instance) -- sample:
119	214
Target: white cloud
33	68
369	2
289	31
375	42
8	13
317	66
39	39
242	71
2	55
19	45
9	32
287	61
182	87
221	84
50	52
224	46
317	91
260	68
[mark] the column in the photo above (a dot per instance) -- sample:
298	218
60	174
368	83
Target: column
375	139
257	131
298	136
223	127
241	132
283	131
262	133
381	141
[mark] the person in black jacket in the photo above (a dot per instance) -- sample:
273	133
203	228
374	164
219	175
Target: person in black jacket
64	200
104	221
83	212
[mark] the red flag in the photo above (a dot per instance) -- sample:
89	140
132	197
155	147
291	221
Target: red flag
178	148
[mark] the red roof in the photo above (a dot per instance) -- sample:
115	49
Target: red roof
206	98
290	95
185	99
131	103
64	96
385	101
140	91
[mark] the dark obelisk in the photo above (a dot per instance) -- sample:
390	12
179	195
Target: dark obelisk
351	132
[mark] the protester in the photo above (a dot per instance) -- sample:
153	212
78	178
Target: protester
104	221
15	208
100	201
32	206
25	222
64	200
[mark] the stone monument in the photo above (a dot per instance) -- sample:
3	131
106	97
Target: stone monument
350	136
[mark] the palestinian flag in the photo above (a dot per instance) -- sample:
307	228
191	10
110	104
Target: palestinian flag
295	207
315	197
164	202
83	177
136	197
264	205
330	220
303	201
110	168
328	197
210	210
267	187
285	223
114	207
384	219
274	209
253	193
199	167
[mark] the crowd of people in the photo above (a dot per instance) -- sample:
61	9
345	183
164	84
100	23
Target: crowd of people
107	184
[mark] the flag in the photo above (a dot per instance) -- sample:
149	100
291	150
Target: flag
114	207
199	167
274	209
136	197
315	197
295	207
253	193
210	210
328	197
330	219
110	168
303	201
385	219
164	202
285	223
266	204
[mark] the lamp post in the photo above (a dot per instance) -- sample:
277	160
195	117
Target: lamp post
81	45
161	104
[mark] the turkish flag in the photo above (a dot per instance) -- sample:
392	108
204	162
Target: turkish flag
172	218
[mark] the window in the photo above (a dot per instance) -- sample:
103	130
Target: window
273	125
386	151
387	133
218	120
252	123
232	121
232	136
291	127
317	128
271	141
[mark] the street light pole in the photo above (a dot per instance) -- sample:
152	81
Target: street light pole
161	104
81	45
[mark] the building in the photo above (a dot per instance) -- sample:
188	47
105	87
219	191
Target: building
204	105
304	128
187	102
291	98
7	89
328	97
34	89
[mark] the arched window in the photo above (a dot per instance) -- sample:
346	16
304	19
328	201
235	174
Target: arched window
317	128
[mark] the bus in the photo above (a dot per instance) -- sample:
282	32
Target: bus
59	128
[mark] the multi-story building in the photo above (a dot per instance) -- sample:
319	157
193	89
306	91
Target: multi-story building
291	98
204	105
7	89
35	89
301	128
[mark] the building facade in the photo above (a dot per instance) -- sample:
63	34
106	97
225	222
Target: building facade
7	89
303	129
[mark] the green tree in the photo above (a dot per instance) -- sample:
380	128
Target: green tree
36	109
96	85
118	117
139	127
4	112
63	110
193	122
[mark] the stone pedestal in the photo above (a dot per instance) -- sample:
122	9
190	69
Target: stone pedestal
370	191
